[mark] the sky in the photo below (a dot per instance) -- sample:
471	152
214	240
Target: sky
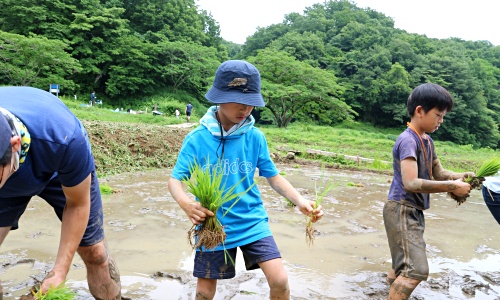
467	20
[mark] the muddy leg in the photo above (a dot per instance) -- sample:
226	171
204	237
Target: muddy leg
402	288
391	276
102	274
205	289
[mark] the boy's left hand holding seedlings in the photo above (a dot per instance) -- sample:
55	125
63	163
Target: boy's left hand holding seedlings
285	189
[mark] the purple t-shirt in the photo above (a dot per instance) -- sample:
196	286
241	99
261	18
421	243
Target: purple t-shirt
409	145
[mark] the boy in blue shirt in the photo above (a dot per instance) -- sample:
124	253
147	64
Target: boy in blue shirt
227	134
45	151
417	173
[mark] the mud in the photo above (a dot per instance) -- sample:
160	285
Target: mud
147	235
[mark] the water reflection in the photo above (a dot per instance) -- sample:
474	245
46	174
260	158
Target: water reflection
147	234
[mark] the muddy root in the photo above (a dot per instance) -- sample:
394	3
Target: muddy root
310	235
203	238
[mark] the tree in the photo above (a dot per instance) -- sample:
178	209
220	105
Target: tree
35	61
186	66
289	85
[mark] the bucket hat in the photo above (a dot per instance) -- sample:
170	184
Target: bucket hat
5	134
236	81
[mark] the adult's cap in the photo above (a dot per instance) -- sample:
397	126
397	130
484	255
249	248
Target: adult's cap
5	134
236	81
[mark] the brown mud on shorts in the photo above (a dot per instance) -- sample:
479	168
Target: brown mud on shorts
405	226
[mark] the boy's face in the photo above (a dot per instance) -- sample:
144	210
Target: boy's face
431	120
233	113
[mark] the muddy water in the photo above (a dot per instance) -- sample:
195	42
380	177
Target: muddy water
349	259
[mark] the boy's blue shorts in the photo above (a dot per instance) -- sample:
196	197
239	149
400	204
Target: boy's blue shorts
214	264
11	209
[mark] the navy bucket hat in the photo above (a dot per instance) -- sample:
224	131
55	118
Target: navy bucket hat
5	134
236	81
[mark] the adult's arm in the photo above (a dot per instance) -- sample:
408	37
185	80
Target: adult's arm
74	222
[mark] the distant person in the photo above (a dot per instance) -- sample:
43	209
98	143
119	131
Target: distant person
189	109
417	173
227	132
45	152
177	113
491	195
92	98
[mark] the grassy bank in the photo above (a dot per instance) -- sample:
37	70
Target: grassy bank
365	141
132	142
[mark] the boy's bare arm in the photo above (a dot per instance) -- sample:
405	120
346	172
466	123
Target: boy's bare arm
439	173
411	182
285	189
193	209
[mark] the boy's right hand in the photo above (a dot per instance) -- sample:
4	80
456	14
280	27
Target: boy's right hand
196	213
462	188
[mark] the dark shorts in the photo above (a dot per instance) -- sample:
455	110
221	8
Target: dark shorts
219	264
405	226
188	113
11	209
492	200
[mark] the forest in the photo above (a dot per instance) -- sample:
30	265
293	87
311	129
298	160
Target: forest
331	63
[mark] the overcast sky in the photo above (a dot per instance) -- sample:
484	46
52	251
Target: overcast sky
468	20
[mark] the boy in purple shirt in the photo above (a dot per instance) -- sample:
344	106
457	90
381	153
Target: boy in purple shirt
417	173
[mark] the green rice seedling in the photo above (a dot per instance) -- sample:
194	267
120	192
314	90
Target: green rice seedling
319	194
488	168
60	292
209	187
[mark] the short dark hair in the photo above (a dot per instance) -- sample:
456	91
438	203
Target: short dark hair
429	96
7	157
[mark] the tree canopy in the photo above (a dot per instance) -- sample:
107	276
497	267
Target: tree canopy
331	63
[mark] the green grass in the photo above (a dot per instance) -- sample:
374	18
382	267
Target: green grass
365	141
350	138
106	112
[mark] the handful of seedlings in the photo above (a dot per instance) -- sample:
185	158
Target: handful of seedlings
209	187
488	168
60	292
319	194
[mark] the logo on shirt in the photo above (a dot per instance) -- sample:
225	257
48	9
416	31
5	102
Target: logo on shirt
228	167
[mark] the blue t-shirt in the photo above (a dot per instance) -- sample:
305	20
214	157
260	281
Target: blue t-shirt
59	143
189	107
247	221
408	145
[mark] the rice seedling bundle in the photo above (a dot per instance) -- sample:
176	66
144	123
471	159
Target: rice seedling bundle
60	292
488	168
319	196
209	187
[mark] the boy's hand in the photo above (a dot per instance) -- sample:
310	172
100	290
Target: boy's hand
196	213
307	208
462	188
468	174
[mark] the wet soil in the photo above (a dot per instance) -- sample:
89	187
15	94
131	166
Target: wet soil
147	235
